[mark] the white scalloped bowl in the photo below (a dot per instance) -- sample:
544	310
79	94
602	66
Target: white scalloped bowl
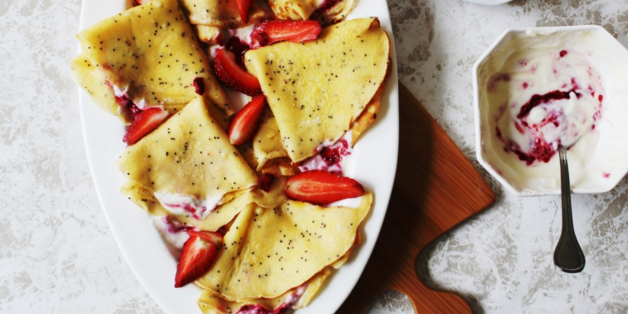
596	164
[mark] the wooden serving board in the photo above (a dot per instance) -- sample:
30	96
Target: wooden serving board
435	189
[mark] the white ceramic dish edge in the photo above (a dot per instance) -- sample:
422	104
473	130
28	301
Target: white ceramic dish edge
476	101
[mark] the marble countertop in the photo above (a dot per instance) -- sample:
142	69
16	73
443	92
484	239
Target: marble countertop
57	254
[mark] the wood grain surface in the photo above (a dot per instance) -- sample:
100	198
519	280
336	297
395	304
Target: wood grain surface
435	189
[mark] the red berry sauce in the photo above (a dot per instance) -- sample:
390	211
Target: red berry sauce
199	85
127	106
173	225
254	309
188	208
329	158
284	308
537	100
239	48
266	181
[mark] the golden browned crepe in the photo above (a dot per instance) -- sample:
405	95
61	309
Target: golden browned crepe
271	157
189	155
93	81
270	251
220	13
305	9
316	97
210	303
150	53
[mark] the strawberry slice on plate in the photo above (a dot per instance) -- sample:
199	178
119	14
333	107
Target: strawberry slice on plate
321	187
144	122
273	31
233	76
197	256
243	7
247	121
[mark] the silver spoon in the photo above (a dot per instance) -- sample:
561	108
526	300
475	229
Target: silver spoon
568	255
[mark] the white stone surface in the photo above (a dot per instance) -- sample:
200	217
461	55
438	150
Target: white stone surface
57	254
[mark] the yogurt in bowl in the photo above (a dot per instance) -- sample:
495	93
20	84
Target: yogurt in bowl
541	88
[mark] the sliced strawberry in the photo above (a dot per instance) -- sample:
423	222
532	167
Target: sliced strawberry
146	121
321	187
211	237
197	256
246	122
276	30
243	7
232	76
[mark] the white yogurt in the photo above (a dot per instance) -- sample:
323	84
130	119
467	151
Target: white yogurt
171	230
181	204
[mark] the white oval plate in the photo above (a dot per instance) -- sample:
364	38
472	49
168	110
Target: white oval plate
374	162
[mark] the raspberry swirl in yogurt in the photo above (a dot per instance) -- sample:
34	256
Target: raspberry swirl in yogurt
548	99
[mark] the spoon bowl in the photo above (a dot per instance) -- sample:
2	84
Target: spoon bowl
568	255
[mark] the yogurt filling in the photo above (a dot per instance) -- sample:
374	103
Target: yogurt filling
181	204
122	97
173	231
330	157
286	307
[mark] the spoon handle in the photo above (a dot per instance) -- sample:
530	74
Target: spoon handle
568	255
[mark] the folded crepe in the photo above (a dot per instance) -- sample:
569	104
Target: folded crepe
209	34
316	98
268	251
150	55
95	83
267	141
296	298
306	9
188	162
220	13
271	157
